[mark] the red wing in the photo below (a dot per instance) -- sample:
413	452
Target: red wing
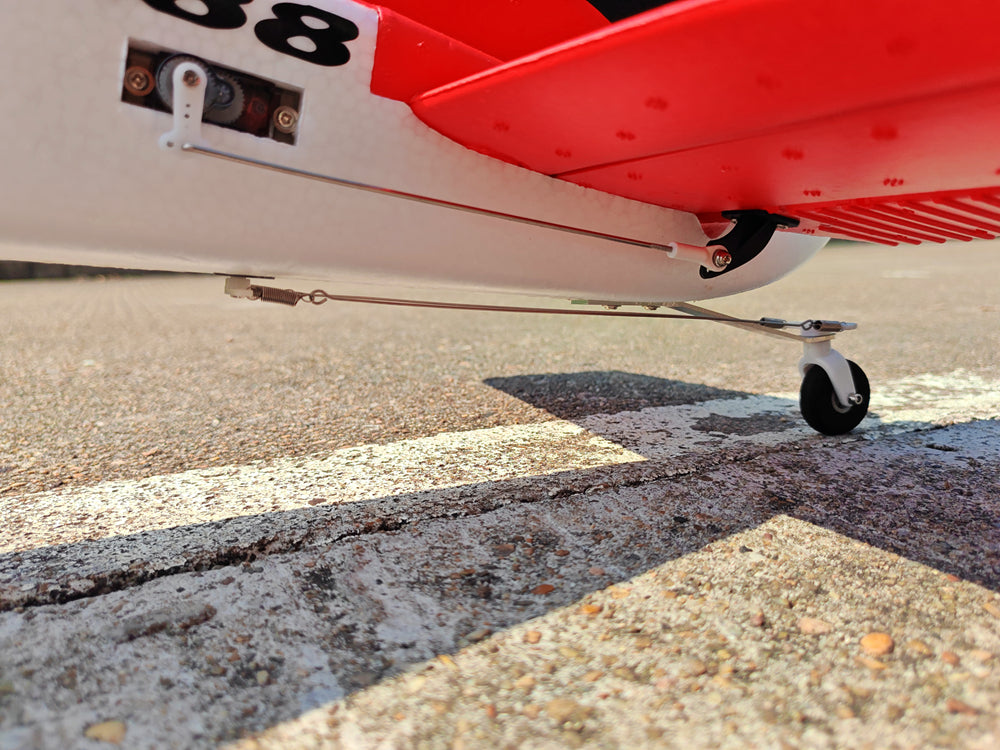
504	29
877	120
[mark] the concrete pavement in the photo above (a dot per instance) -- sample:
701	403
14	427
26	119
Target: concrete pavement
351	527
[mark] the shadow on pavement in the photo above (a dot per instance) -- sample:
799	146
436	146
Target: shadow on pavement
573	395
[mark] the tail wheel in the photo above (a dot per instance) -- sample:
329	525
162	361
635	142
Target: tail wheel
820	407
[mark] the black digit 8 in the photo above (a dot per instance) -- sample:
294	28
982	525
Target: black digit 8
219	14
289	24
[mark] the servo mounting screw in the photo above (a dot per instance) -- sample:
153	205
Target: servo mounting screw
286	119
139	81
191	79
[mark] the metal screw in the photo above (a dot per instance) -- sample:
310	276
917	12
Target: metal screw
721	258
138	81
191	79
286	119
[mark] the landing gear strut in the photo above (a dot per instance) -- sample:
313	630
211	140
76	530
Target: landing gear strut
835	391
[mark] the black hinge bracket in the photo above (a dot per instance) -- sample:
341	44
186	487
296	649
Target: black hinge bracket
750	234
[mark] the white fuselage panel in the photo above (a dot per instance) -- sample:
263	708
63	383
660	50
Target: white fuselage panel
85	182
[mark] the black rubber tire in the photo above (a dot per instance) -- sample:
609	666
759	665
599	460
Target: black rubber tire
819	405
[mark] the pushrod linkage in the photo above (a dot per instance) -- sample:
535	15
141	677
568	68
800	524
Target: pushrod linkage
330	180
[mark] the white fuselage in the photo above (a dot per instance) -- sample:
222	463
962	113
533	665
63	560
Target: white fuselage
85	181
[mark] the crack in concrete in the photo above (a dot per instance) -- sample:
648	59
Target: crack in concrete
356	522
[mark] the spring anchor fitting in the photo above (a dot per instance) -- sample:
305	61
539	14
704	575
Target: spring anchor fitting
240	287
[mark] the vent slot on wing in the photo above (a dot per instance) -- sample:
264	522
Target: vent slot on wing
909	220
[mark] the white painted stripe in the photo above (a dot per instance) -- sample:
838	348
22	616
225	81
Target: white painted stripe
466	458
939	399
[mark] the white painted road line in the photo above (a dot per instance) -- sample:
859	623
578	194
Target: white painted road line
208	517
467	458
654	586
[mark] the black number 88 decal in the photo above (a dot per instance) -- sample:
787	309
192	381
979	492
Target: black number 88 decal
289	24
327	32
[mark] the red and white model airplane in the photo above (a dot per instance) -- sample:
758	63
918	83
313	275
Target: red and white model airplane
615	151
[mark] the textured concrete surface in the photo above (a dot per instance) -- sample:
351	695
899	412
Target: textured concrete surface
234	525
